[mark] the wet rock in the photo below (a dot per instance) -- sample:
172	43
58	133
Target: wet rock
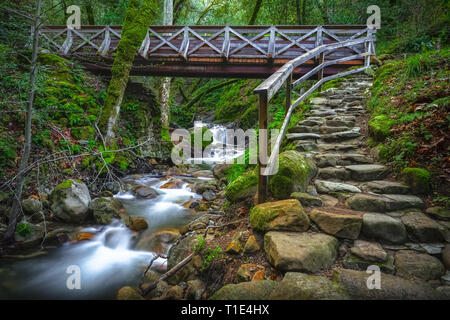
421	265
439	213
246	271
340	223
70	200
209	195
178	253
173	184
31	206
251	245
136	223
391	287
422	228
144	192
370	251
310	252
300	286
307	199
105	210
128	293
280	215
383	228
252	290
158	242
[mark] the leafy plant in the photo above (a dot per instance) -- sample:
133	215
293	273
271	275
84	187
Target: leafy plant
24	229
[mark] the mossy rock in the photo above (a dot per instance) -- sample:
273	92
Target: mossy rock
379	127
417	179
287	215
243	187
293	175
252	290
83	133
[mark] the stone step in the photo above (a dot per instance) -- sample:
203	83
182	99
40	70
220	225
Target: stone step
310	122
304	129
303	136
383	203
339	123
334	174
331	129
305	146
367	172
384	186
323	113
341	136
324	147
333	159
330	187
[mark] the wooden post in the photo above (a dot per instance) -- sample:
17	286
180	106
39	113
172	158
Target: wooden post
288	93
263	148
320	72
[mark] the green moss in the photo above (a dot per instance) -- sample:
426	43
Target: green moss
83	133
418	179
293	175
243	187
260	217
66	184
379	127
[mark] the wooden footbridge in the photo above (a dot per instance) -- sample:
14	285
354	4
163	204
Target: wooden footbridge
283	54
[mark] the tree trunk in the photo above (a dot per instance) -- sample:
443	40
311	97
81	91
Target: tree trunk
16	207
255	12
135	26
164	87
90	13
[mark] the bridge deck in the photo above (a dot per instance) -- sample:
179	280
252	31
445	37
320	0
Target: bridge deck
208	51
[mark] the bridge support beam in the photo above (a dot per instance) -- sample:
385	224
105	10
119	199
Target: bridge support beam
263	180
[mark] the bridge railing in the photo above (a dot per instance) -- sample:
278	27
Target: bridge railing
237	44
270	87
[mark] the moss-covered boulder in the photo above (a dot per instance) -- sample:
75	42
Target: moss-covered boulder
243	187
379	127
70	200
285	215
293	175
105	209
417	179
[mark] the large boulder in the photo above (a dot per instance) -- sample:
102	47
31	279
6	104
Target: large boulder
339	223
31	206
421	265
287	215
300	286
391	287
105	209
252	290
417	179
177	254
70	201
291	251
293	175
383	228
243	187
422	228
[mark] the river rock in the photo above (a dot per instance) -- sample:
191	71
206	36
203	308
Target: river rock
70	201
136	223
144	192
391	287
159	242
339	223
285	215
178	253
31	206
422	228
209	195
439	213
421	265
105	210
301	286
310	252
383	228
251	290
306	199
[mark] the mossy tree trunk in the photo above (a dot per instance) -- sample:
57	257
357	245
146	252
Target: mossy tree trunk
137	21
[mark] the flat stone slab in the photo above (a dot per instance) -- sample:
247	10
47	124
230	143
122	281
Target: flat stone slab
332	173
386	187
305	129
310	122
319	100
369	251
354	262
329	129
382	227
338	222
383	203
340	136
302	136
439	213
367	172
292	251
323	186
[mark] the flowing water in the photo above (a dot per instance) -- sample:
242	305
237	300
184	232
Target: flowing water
115	256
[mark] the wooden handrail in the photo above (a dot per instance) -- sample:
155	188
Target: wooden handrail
270	87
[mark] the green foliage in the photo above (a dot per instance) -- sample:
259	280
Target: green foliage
24	229
208	254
